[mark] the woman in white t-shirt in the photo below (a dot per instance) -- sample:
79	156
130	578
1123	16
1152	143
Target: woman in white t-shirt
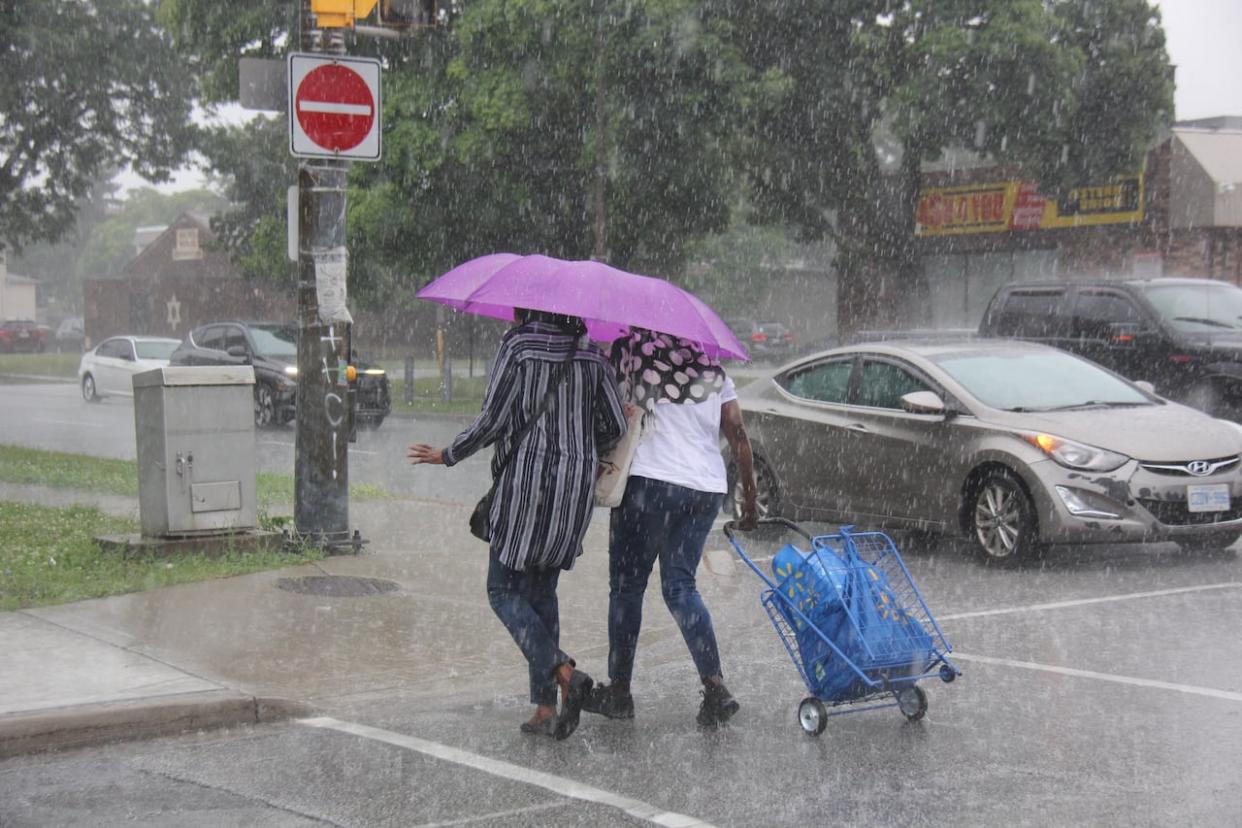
673	495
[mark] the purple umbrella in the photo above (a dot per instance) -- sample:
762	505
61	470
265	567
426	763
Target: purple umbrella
610	300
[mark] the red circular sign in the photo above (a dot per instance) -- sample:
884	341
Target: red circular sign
335	107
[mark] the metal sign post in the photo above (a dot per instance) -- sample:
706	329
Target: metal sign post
324	418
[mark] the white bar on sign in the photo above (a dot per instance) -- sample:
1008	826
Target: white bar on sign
335	108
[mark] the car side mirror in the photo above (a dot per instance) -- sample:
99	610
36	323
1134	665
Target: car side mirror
923	402
237	351
1144	385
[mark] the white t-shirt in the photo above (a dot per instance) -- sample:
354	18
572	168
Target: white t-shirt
681	444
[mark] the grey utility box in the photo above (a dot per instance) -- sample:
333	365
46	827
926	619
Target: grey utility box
196	450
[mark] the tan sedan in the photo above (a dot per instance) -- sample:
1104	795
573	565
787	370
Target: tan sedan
1010	444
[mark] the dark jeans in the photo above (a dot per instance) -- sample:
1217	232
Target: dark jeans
525	602
658	520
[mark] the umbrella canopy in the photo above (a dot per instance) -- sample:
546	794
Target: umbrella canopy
608	299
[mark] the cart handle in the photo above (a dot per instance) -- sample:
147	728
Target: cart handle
731	526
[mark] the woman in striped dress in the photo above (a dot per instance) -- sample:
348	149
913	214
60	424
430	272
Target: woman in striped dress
544	493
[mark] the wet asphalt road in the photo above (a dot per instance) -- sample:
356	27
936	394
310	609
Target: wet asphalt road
1102	686
56	418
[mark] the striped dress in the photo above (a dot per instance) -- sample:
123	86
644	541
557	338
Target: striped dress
545	494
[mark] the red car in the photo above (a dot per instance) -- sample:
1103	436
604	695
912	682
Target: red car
22	335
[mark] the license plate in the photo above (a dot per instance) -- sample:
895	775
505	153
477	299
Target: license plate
1214	498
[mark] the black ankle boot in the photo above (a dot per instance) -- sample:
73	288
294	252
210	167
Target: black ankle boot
610	700
718	704
574	693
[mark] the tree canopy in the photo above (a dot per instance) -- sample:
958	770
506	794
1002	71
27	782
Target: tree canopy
865	92
627	129
89	86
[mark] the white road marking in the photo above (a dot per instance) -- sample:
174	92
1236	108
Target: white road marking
516	773
334	107
1082	602
1227	695
495	815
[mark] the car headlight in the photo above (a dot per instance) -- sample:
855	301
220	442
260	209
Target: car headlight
291	370
1074	455
373	371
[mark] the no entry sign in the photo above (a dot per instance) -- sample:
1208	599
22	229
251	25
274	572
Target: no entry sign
334	107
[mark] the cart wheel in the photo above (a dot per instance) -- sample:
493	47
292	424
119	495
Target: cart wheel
813	716
947	674
912	702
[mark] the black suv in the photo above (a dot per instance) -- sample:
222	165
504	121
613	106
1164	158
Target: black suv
1182	335
272	349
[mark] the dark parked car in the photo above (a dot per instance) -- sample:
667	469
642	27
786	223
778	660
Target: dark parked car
1010	444
1182	335
272	348
22	335
764	340
70	335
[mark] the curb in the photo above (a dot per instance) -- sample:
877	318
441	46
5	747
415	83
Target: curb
93	724
39	378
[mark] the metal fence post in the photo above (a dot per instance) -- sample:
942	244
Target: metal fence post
409	380
446	380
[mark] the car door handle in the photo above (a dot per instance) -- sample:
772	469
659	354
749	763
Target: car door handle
857	427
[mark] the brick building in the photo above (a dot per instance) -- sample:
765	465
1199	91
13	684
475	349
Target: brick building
177	282
1181	215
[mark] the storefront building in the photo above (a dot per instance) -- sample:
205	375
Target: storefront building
1181	215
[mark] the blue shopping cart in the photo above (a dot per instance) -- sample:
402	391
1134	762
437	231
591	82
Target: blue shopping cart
854	623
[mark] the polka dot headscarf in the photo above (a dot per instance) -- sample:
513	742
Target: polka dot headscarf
658	369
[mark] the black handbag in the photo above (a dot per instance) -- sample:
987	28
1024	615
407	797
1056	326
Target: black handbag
481	517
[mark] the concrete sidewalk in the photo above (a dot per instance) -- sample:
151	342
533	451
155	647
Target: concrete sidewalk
61	688
406	618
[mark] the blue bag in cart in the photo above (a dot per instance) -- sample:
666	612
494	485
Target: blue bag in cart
854	622
820	593
850	603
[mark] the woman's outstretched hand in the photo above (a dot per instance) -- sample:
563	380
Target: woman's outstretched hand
423	453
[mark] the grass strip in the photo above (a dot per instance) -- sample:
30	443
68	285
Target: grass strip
102	475
40	365
49	556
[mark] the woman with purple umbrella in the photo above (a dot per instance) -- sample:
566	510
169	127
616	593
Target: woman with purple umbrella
551	406
672	498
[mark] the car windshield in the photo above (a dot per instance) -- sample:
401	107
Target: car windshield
1044	381
1198	308
275	341
156	350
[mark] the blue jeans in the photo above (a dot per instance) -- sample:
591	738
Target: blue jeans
658	520
525	602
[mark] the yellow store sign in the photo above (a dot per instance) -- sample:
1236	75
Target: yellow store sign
1003	206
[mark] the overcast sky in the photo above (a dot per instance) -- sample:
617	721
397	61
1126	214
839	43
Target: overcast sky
1204	42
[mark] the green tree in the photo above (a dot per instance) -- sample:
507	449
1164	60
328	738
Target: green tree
864	92
213	34
568	127
87	86
252	164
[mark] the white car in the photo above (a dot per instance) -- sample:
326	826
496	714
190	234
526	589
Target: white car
109	367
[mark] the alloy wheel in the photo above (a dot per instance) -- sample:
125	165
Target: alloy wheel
88	388
264	406
999	518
